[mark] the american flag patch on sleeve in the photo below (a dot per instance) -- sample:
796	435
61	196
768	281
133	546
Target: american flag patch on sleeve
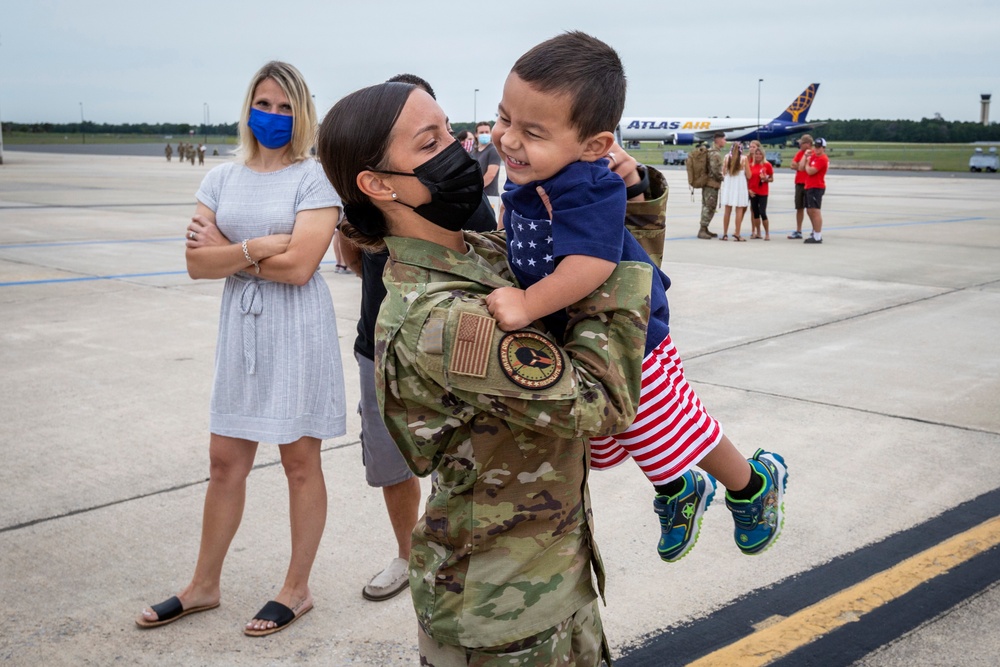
470	353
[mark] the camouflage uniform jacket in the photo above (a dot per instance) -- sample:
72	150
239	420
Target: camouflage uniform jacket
714	167
505	548
647	220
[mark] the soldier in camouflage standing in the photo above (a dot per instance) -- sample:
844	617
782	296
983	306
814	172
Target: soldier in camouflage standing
710	191
502	563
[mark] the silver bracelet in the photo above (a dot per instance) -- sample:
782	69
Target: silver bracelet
246	254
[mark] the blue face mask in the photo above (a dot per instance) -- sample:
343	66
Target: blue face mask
272	130
484	139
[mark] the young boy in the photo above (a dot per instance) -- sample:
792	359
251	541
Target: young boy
564	216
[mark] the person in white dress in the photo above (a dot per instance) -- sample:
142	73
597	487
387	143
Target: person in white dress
264	223
734	193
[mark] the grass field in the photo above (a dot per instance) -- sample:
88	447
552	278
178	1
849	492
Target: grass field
942	157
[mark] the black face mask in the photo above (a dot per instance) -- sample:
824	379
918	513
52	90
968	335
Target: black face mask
456	185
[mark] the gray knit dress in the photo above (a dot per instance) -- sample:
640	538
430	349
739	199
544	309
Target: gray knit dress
278	374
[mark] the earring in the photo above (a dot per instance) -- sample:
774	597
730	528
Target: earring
393	195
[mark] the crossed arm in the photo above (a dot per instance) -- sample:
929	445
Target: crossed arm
284	258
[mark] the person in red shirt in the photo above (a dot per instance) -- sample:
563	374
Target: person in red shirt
816	164
798	164
761	173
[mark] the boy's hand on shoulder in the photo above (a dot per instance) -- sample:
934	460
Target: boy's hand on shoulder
508	307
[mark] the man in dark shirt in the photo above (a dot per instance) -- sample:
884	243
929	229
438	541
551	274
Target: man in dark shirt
489	163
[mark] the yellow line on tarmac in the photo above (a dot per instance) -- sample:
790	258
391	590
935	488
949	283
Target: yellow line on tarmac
811	623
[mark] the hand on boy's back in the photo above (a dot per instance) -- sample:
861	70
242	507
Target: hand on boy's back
507	306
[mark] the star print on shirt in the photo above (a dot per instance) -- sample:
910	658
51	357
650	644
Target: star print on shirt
531	246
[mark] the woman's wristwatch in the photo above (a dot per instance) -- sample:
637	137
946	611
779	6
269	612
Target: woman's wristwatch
637	189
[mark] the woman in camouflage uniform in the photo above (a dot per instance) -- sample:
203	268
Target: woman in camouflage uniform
503	560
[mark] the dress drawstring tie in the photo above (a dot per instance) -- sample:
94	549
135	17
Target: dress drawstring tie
251	304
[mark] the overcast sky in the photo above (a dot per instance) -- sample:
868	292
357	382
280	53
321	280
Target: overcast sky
133	61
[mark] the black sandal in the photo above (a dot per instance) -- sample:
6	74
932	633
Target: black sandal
169	611
277	613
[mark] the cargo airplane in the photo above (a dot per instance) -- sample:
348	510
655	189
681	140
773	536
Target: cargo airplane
691	130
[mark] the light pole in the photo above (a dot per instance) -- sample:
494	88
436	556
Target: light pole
475	96
759	81
83	132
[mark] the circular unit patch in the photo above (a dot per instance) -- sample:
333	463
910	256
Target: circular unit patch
530	360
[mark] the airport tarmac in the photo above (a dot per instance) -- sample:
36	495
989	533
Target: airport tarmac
869	362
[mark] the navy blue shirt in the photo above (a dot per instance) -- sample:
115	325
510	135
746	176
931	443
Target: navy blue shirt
588	218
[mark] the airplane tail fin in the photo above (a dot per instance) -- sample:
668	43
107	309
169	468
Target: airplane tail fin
799	108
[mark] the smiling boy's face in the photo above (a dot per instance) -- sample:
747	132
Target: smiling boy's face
533	132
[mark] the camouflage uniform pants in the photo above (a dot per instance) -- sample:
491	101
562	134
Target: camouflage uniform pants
709	202
578	641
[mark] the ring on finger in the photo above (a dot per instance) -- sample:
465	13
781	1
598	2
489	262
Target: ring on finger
191	235
611	156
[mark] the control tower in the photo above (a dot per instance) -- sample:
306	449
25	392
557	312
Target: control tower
984	109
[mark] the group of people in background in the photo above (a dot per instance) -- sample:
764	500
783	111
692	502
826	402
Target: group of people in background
810	165
740	180
186	151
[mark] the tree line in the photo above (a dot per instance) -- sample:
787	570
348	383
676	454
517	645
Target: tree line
925	130
88	127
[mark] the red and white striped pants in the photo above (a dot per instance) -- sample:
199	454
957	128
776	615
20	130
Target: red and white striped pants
671	432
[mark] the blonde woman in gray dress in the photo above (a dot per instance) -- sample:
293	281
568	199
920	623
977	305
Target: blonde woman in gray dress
264	223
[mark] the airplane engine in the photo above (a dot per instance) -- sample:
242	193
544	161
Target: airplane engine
684	139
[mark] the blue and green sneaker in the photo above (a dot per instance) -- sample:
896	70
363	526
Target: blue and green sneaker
760	519
680	515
